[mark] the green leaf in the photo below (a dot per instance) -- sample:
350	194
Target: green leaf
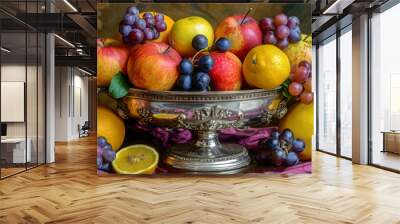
285	94
119	86
286	83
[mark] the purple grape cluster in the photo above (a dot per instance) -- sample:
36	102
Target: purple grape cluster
136	30
280	149
281	30
105	154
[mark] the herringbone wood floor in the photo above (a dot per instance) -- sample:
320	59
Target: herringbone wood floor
70	191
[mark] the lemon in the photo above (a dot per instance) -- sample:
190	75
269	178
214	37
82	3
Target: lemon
136	159
110	126
266	67
300	51
183	32
300	119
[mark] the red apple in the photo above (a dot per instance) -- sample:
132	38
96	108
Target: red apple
243	32
226	73
153	66
112	57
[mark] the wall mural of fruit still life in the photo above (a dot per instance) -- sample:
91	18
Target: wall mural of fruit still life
204	88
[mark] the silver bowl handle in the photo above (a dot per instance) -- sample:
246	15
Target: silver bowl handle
211	119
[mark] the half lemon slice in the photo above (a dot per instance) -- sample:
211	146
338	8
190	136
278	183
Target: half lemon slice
136	159
165	116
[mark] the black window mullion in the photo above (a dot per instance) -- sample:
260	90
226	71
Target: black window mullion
37	90
26	87
317	96
338	98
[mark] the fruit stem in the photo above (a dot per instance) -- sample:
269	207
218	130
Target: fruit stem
247	13
197	53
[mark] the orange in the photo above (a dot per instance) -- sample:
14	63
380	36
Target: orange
136	159
110	126
300	119
163	35
266	67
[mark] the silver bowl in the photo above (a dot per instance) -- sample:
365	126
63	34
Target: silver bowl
205	113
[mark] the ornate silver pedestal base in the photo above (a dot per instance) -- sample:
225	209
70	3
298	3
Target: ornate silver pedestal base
206	113
207	155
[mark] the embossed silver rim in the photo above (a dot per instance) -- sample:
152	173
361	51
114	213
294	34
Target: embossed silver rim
214	96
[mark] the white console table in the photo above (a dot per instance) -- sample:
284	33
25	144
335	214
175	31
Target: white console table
18	144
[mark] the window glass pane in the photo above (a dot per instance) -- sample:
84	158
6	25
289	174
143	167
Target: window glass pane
385	80
15	150
327	96
346	94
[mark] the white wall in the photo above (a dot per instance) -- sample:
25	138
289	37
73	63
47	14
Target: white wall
71	94
34	125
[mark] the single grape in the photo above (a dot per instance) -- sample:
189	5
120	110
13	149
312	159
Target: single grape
129	19
272	143
161	26
156	33
305	64
291	159
282	44
140	24
107	147
280	19
150	22
99	161
101	141
186	67
275	134
266	24
282	32
294	36
136	36
295	88
185	82
286	135
124	30
199	42
223	44
108	155
148	15
293	21
201	81
297	29
148	34
306	97
205	63
278	156
159	17
99	151
133	10
308	85
106	167
270	38
298	145
301	74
